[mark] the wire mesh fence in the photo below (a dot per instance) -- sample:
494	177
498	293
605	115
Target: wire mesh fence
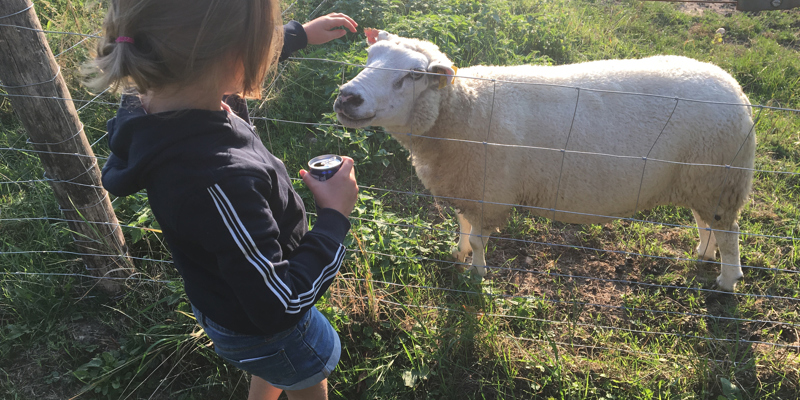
634	286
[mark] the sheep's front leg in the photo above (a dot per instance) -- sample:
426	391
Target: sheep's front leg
478	242
707	249
464	248
731	270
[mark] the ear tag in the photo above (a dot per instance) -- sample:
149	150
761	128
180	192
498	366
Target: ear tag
443	78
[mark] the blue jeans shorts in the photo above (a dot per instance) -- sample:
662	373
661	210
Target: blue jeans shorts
297	358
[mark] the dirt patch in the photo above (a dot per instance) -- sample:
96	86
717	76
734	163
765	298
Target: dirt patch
719	7
94	333
563	273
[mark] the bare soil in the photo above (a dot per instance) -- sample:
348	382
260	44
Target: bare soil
698	8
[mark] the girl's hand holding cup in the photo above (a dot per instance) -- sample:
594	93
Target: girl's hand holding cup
338	192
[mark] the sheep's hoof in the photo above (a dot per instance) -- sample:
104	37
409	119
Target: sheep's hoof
728	285
459	256
480	271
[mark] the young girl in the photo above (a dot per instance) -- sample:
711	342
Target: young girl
236	228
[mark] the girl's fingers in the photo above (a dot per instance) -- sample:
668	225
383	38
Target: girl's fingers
351	24
346	22
339	19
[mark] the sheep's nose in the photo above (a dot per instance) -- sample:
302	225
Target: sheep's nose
349	99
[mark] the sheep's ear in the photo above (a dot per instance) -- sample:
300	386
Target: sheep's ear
374	35
448	73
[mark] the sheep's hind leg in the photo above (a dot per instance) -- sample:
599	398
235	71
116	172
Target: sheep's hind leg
707	249
478	242
464	248
731	269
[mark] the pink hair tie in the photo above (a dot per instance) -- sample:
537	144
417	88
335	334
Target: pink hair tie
124	39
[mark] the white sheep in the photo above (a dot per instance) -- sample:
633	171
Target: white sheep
580	143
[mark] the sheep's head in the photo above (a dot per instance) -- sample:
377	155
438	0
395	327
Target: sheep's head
398	84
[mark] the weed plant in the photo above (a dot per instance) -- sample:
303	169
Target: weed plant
613	311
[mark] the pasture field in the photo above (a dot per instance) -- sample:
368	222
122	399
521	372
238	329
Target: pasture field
613	311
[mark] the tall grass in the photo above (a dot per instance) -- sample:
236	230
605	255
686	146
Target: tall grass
412	325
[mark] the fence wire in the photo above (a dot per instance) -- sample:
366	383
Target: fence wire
496	298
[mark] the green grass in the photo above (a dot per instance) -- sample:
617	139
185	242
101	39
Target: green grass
412	325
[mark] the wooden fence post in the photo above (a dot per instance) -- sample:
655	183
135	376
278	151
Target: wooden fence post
40	98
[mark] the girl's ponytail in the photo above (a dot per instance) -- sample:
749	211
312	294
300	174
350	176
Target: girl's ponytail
120	61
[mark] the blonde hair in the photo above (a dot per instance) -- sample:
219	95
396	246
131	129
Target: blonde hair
176	42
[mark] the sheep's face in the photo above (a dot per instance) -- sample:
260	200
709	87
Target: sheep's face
396	76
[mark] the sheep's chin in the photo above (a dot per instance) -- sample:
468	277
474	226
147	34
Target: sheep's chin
352	122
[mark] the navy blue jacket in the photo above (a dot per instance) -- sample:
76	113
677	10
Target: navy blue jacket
236	229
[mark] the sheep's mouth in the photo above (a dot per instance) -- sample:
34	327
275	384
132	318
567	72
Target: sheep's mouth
351	122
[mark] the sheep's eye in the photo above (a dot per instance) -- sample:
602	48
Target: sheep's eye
415	74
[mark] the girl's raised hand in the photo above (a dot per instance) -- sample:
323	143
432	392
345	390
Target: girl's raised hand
326	28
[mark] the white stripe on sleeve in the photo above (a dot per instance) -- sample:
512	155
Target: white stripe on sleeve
292	304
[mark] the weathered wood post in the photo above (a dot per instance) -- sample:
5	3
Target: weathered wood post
39	96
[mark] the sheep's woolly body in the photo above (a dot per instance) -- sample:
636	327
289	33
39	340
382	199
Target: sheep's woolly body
606	121
631	130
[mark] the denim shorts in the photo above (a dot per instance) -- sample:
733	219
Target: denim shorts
294	359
